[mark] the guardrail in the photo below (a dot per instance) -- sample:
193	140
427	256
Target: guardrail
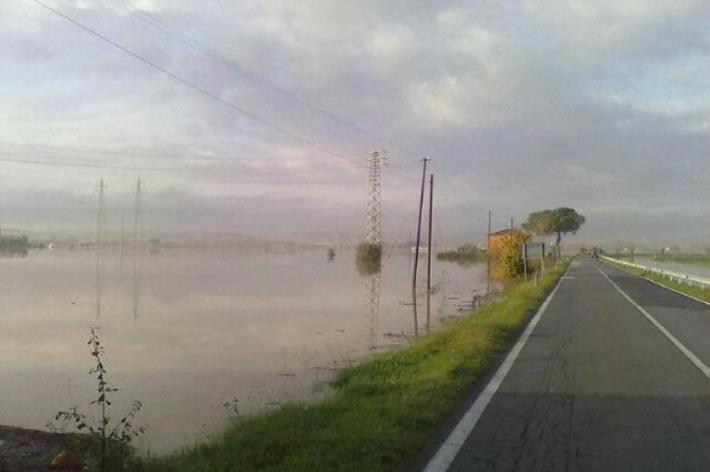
692	280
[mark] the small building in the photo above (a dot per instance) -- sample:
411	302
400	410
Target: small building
498	238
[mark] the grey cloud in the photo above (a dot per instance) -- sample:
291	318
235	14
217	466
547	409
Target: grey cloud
522	105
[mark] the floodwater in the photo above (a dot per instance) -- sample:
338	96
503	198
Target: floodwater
688	269
187	332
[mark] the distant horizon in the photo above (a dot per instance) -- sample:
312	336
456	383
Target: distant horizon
570	242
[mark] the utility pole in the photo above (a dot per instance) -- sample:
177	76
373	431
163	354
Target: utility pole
416	248
99	244
428	264
488	256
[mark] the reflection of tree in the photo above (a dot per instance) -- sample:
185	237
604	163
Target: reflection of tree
368	258
14	246
372	284
368	261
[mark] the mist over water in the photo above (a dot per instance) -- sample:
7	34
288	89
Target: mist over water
187	331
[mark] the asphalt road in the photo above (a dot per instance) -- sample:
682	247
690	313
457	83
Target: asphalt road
599	387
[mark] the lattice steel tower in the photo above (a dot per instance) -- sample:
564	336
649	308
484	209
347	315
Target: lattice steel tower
374	201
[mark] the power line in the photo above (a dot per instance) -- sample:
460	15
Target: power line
155	22
211	95
215	55
92	167
157	154
81	164
197	88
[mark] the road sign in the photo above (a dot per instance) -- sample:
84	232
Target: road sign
533	251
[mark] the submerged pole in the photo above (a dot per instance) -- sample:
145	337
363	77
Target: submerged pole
428	263
416	248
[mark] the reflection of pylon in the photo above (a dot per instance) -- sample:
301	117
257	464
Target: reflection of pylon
374	202
99	246
372	282
137	249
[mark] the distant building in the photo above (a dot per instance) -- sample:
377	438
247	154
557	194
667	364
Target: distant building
498	238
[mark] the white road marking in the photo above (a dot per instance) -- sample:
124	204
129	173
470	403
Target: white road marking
677	291
660	284
681	347
446	454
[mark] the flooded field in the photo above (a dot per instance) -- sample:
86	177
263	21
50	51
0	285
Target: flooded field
189	332
689	269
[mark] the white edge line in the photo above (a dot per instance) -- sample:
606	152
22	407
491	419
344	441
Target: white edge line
660	284
686	352
450	448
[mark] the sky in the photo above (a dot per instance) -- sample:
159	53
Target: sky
257	116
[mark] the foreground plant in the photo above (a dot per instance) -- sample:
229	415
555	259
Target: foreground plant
111	441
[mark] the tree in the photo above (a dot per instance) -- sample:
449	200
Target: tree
507	255
558	221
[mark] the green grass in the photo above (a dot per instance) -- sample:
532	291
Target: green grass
383	410
693	291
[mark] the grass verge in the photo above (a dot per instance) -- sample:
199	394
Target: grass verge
693	291
382	410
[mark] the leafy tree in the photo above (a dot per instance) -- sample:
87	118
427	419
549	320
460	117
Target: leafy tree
507	256
558	221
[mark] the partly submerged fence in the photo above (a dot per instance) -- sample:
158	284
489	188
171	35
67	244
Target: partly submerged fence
692	280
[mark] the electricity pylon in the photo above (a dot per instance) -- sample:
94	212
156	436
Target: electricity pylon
374	199
374	236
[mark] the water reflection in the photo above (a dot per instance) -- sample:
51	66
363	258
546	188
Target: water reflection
211	326
136	292
373	282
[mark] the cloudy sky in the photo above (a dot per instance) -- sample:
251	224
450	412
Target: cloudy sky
256	116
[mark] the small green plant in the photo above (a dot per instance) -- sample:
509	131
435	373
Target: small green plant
111	441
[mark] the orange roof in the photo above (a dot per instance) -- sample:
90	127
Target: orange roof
502	232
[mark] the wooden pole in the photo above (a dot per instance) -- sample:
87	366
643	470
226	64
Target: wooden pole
488	256
428	264
416	249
